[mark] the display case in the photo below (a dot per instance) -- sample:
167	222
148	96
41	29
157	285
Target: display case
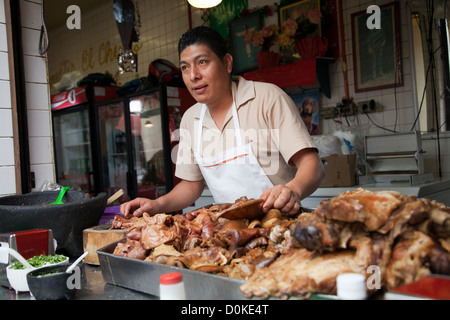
73	132
103	145
73	156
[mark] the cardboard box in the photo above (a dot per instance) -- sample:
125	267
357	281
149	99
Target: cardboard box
339	171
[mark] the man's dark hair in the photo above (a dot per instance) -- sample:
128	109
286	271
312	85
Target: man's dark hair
206	36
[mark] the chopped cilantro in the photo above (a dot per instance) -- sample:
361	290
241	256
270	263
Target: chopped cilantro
39	261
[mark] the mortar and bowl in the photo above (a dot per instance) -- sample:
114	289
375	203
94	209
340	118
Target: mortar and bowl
36	210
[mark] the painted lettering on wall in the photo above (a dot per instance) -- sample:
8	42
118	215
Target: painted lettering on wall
74	20
91	60
65	66
105	54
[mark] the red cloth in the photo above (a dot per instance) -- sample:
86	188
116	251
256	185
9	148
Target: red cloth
299	73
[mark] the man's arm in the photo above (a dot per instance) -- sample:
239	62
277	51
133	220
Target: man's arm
310	172
287	197
181	196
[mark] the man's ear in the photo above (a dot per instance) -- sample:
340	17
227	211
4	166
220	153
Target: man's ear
228	60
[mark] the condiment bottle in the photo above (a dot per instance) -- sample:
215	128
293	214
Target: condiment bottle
171	287
351	286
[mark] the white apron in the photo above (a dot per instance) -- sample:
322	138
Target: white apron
235	172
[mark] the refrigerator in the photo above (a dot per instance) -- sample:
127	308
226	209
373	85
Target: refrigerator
104	143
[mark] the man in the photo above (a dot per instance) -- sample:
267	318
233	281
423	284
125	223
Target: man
243	138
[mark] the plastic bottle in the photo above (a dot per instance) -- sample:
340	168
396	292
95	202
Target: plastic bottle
171	287
351	286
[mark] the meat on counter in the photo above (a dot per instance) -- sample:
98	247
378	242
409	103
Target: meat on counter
282	256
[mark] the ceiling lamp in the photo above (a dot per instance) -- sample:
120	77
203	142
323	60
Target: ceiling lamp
204	4
148	123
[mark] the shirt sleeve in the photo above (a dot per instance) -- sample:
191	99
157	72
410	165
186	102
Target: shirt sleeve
290	133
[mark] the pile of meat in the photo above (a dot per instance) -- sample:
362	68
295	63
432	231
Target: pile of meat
390	238
202	240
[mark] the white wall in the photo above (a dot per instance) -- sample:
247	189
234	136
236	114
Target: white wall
163	21
397	103
37	97
7	170
94	47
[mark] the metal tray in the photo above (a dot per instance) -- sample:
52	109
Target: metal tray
143	276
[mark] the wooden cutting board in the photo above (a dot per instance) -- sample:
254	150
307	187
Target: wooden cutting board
97	237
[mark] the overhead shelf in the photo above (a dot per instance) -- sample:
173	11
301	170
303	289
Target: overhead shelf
300	73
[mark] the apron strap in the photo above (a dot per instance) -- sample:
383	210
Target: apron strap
237	127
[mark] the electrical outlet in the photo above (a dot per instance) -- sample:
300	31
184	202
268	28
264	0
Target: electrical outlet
369	106
346	109
329	113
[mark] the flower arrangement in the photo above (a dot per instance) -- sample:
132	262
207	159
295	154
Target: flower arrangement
293	33
303	24
264	38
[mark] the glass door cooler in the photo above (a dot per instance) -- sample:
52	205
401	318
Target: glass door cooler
111	143
137	136
73	135
73	156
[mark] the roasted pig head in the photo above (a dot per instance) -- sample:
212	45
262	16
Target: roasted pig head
314	233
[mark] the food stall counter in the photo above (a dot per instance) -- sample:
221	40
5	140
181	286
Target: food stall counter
93	287
438	190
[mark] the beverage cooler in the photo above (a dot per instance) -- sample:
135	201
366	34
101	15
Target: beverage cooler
104	143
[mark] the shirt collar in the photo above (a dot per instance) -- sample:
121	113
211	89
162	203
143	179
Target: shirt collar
245	92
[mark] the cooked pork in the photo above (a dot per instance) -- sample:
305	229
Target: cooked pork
372	208
300	271
404	237
408	257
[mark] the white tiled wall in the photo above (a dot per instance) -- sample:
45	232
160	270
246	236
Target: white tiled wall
37	97
159	35
397	103
7	170
163	22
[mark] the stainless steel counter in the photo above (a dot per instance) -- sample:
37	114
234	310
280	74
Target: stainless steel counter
93	287
438	190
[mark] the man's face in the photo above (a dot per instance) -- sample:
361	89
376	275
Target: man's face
205	75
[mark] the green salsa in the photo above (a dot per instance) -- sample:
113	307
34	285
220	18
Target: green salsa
39	261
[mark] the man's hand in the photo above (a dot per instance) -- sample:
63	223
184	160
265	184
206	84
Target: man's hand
281	197
137	207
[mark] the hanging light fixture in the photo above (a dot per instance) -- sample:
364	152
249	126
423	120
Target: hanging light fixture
148	123
204	4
